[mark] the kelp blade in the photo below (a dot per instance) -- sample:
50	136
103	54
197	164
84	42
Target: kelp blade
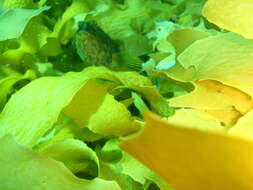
191	159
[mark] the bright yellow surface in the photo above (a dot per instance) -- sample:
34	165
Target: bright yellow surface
244	126
232	15
209	94
227	118
194	119
225	57
192	159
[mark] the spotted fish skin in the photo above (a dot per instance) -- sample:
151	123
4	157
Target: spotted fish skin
93	45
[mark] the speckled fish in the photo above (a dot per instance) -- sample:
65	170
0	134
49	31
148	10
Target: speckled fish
93	45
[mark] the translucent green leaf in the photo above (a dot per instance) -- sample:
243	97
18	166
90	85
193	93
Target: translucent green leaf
170	44
63	129
128	172
13	4
32	40
81	96
145	88
113	172
111	151
139	103
184	37
36	171
76	8
188	13
13	21
140	173
112	118
7	83
43	100
34	36
76	156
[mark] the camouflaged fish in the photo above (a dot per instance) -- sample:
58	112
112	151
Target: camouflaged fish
93	45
